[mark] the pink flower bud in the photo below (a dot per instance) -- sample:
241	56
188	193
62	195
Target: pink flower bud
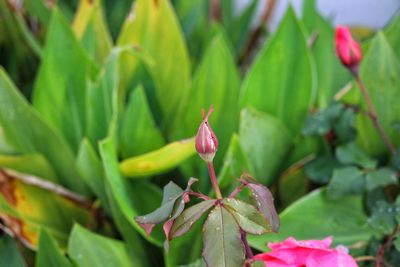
206	141
348	50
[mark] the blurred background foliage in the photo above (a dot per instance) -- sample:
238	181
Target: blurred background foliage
99	101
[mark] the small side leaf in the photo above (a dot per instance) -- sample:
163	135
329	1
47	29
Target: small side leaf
345	181
352	154
381	177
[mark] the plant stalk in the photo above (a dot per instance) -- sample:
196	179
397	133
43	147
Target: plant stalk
372	113
213	178
249	252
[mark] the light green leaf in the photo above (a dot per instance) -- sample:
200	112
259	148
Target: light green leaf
248	217
351	154
60	86
392	33
380	70
265	142
29	133
222	245
139	133
315	216
159	160
153	27
9	254
380	178
345	181
49	255
91	250
281	80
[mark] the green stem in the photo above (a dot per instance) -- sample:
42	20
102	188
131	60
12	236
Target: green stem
372	113
213	178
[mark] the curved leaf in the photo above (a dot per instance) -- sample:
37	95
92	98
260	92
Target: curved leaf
49	255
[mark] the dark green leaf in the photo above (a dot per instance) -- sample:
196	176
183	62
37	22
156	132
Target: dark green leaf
315	216
292	186
9	254
248	217
383	217
265	142
270	85
351	154
344	126
345	181
91	250
222	245
321	169
139	133
26	130
49	255
184	222
380	178
60	86
321	122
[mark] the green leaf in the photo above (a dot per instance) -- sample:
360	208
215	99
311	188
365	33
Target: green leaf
235	164
321	122
197	263
392	33
380	178
49	255
344	126
34	164
331	75
90	28
265	142
158	161
9	254
139	133
270	85
189	216
27	131
88	249
316	216
379	71
345	181
321	169
60	86
351	154
130	199
383	217
247	217
216	83
292	186
222	244
155	29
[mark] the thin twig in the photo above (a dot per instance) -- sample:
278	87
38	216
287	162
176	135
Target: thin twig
198	195
299	164
343	91
213	178
255	36
365	258
59	190
237	190
249	252
215	10
388	243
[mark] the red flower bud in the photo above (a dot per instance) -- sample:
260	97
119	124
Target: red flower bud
348	50
206	141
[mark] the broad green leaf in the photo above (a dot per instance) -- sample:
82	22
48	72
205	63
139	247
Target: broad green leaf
271	86
158	161
222	245
9	254
331	75
380	178
92	250
33	208
235	164
265	142
153	27
186	220
90	169
34	164
60	86
139	133
351	154
130	199
315	216
49	255
292	186
90	27
216	83
380	70
392	33
247	217
29	133
320	170
345	181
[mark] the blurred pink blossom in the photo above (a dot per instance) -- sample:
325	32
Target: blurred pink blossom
307	253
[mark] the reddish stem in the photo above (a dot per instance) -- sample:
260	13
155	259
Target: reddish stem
237	190
249	252
198	195
372	112
213	179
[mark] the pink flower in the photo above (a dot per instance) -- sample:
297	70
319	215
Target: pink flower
307	253
348	50
206	141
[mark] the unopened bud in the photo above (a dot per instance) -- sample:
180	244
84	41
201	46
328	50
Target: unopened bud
206	141
347	49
